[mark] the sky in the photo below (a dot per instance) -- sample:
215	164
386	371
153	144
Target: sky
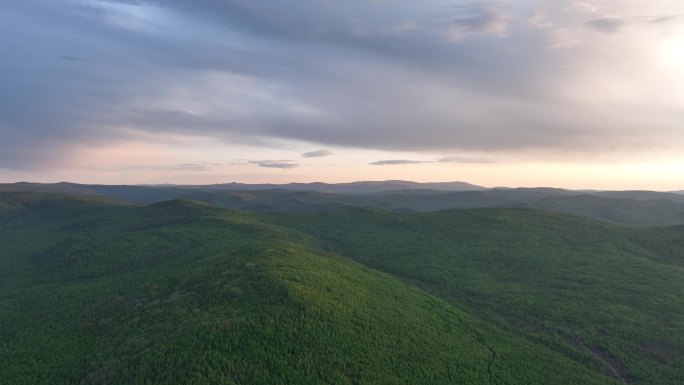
563	93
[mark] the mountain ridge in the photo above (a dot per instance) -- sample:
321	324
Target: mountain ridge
632	208
182	292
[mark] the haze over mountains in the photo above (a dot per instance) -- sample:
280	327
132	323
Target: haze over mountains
633	208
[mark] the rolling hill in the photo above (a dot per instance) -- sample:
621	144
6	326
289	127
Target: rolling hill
101	292
626	208
630	208
571	284
632	212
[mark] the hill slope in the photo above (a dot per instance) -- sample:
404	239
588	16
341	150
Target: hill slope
646	212
181	292
569	283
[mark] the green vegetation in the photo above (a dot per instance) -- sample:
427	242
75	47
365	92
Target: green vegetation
570	284
96	291
629	208
632	212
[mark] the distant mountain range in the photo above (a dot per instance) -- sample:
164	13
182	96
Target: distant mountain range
361	187
632	208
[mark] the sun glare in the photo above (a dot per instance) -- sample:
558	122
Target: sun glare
673	52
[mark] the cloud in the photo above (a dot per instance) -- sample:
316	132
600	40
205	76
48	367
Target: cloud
607	24
584	6
464	160
402	27
478	18
664	19
282	164
612	24
204	166
191	167
71	58
317	154
564	38
395	162
448	159
359	74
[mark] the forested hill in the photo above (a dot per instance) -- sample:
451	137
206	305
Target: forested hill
96	291
630	208
565	281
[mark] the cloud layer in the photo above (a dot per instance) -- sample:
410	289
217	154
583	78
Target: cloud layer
282	164
448	159
317	154
489	76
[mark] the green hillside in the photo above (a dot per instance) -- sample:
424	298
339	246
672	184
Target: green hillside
97	292
631	212
570	284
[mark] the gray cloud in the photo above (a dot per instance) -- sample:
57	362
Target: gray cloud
317	154
478	18
665	19
612	24
282	164
191	167
379	75
396	162
448	159
71	58
204	166
607	24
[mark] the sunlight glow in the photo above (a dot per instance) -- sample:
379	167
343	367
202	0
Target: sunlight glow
673	52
